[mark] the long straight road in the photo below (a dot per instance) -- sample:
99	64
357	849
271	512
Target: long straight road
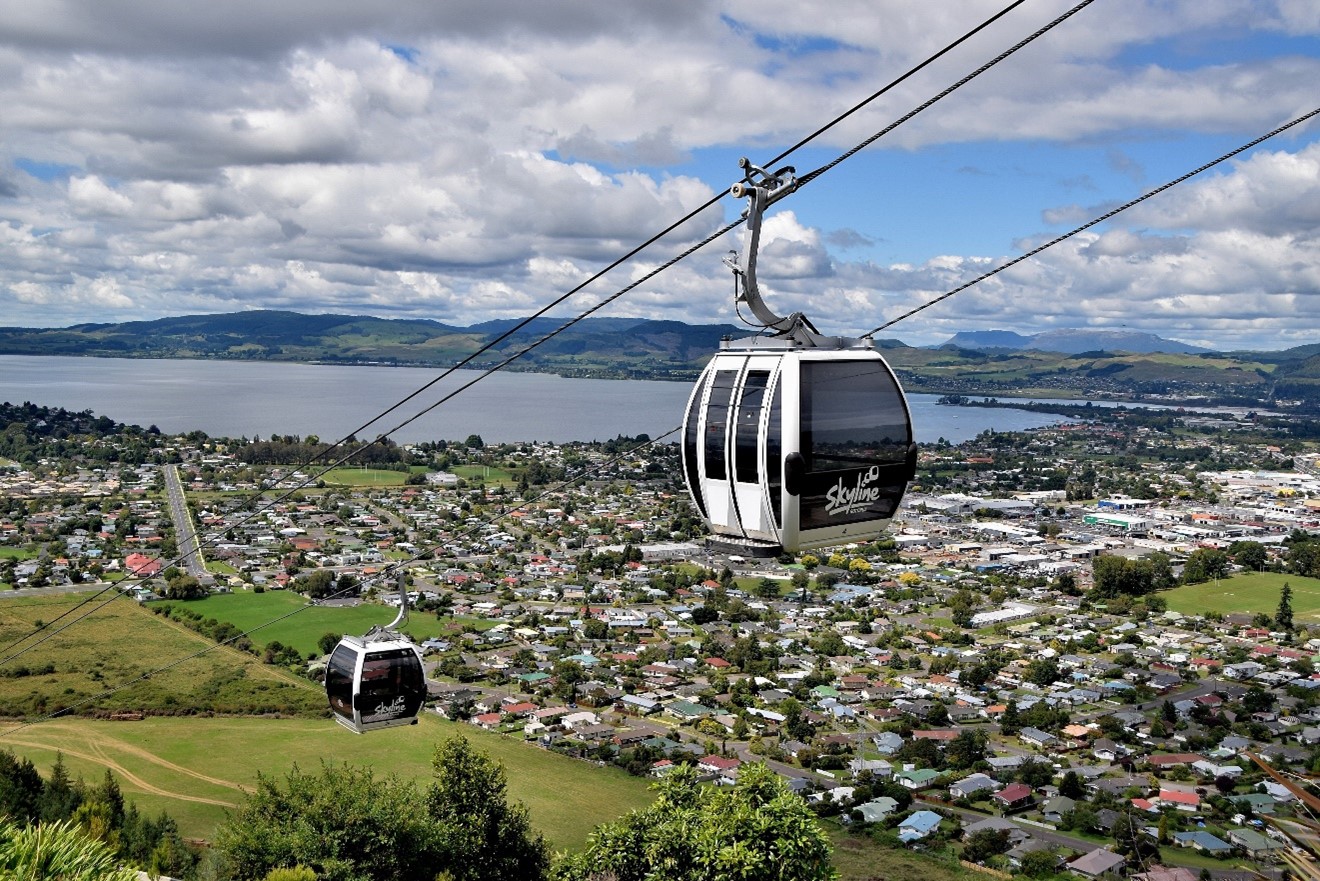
185	534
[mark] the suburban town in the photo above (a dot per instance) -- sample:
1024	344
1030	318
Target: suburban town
1031	671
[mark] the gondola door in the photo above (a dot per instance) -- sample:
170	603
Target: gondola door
749	440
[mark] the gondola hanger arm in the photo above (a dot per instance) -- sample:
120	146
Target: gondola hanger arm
762	189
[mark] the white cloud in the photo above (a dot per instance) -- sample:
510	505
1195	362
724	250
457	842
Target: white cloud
462	161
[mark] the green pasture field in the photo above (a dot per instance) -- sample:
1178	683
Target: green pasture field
112	641
1248	592
364	477
305	627
198	768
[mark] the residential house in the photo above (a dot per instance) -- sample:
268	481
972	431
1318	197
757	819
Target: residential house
973	785
1097	863
1012	797
918	826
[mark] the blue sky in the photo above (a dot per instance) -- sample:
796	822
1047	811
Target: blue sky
463	162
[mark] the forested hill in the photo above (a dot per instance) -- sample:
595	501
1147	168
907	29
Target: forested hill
594	346
644	349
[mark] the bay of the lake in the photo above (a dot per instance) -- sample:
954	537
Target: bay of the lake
261	398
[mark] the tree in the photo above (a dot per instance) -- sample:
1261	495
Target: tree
185	587
1039	863
1036	773
754	829
1203	564
1071	786
1042	672
1283	616
328	641
966	749
20	788
938	715
59	851
343	823
1114	576
486	838
1249	554
1010	722
985	844
1131	840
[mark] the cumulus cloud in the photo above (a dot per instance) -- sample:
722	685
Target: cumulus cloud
464	161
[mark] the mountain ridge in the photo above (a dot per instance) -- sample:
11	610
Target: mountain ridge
1096	364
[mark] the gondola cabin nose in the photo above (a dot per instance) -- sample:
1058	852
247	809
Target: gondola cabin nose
791	449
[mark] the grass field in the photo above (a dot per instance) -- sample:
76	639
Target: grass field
363	477
247	609
1248	592
197	768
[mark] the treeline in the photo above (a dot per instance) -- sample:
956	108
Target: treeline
31	432
287	449
1115	576
99	811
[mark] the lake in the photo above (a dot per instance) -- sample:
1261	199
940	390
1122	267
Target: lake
261	398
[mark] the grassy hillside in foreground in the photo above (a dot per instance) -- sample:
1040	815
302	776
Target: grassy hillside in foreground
113	646
197	768
1248	592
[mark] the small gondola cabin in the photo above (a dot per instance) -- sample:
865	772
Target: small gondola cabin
375	683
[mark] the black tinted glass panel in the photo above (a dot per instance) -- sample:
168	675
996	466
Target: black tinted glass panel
852	415
692	431
749	423
774	454
339	680
717	423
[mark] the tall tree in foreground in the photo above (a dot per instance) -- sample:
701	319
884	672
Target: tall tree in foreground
755	829
485	838
343	823
346	824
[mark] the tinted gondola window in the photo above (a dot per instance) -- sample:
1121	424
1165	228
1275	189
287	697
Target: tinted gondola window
717	423
774	454
390	684
853	414
691	432
747	429
339	680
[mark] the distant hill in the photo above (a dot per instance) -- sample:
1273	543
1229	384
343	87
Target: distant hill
1074	363
1072	342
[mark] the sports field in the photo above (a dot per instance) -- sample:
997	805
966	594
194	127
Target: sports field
1248	592
197	768
363	477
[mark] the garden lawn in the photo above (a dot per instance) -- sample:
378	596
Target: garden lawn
17	553
196	768
1248	592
